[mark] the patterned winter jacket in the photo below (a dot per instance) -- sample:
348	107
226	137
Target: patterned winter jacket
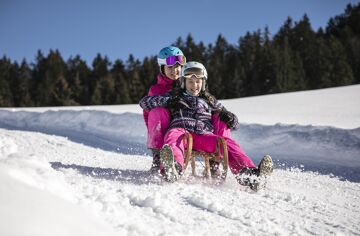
163	85
194	113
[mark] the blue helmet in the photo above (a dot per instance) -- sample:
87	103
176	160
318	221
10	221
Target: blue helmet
166	52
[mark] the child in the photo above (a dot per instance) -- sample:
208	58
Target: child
170	60
192	112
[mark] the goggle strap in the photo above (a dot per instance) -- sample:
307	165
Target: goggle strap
161	61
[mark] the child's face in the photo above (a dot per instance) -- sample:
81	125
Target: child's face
193	85
173	72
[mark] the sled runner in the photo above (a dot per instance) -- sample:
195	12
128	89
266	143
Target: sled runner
215	164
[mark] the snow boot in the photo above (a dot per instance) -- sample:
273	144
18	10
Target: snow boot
248	177
256	178
155	166
171	168
214	169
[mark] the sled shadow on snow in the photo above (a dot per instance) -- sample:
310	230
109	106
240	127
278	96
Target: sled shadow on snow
137	177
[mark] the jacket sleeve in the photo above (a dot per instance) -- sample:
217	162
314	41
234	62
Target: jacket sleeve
154	90
149	102
234	124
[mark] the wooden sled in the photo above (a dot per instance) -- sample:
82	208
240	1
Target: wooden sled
219	157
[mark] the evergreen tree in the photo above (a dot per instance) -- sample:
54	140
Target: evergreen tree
108	93
304	42
323	63
37	66
288	43
24	85
136	86
180	44
285	33
346	27
78	76
59	91
249	54
234	76
193	51
215	67
121	86
13	81
51	86
149	71
267	65
6	97
340	73
100	82
289	71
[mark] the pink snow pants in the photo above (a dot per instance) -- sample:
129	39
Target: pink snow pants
158	124
159	121
207	143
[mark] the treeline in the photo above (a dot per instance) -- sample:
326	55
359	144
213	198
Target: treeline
295	58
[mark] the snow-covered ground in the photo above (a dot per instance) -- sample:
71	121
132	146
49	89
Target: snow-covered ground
84	172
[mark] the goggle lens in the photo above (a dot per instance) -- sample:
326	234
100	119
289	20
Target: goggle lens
172	60
197	72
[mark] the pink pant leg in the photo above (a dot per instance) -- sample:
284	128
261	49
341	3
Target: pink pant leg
237	157
220	127
158	124
174	138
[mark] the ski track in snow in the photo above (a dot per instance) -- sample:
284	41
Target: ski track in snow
117	188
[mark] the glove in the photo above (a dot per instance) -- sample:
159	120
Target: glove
227	117
173	103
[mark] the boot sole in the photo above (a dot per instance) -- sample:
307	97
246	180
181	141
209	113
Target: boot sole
167	159
266	166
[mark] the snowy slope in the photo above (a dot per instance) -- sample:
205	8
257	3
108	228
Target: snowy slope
116	187
94	179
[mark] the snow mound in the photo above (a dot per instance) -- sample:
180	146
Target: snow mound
36	200
7	147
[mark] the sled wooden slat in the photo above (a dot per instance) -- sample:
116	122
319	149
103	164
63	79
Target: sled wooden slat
220	156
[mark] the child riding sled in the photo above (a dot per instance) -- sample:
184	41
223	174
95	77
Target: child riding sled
170	60
192	109
157	120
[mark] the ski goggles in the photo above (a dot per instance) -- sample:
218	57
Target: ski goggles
197	72
172	60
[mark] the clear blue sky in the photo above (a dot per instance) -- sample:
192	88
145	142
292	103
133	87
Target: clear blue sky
142	27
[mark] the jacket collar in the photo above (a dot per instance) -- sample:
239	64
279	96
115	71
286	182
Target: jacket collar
163	80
